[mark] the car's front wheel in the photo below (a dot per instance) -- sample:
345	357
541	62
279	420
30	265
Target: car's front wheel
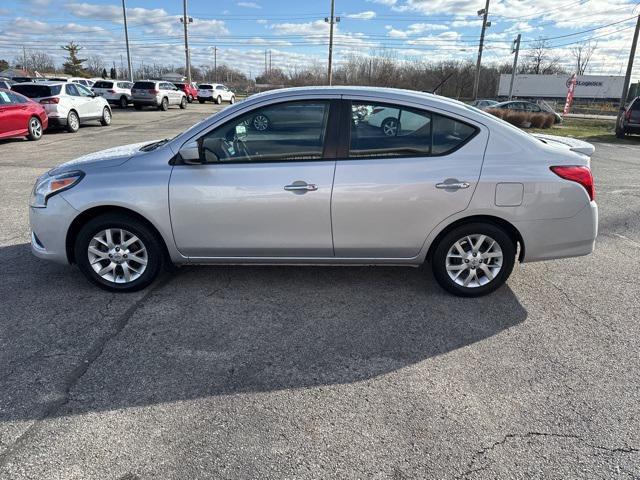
190	98
473	259
34	128
118	253
124	102
106	117
232	100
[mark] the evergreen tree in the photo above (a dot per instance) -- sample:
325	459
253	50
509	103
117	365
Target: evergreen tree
73	65
113	73
104	73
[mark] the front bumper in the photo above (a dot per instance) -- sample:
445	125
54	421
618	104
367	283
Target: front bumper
49	227
562	237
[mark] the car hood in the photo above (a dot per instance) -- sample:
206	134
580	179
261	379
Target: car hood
572	144
110	157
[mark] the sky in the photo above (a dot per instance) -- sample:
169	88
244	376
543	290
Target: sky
297	35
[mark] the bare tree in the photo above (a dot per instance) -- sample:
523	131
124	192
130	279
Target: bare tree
41	62
582	54
541	60
95	65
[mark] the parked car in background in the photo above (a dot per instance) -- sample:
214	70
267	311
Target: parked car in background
529	107
82	81
484	103
215	92
630	120
6	84
21	117
189	89
116	92
67	104
392	122
328	191
158	94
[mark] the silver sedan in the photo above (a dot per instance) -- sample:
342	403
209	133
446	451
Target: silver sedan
310	176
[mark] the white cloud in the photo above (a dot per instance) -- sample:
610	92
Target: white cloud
262	21
368	15
248	5
388	3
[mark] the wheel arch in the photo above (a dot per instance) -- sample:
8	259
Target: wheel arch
508	227
94	212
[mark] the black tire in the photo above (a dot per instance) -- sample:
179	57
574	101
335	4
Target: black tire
124	103
164	104
154	251
620	132
219	100
439	259
105	121
34	127
137	106
190	99
73	122
201	100
183	103
232	100
390	127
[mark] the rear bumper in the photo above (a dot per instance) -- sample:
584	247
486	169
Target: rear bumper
631	127
49	228
560	238
57	121
146	101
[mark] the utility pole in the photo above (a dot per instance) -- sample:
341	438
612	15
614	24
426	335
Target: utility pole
516	50
266	72
215	64
332	20
24	59
186	20
126	39
269	62
485	13
627	80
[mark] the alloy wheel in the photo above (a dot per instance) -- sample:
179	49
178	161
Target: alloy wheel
117	255
260	123
390	127
35	128
474	260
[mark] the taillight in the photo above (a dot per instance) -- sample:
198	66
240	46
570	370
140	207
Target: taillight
50	101
153	91
627	114
579	174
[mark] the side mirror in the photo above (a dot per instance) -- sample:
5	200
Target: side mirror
190	153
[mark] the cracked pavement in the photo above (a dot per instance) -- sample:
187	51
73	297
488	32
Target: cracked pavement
299	372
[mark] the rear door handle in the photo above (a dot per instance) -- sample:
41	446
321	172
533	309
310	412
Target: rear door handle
452	186
301	187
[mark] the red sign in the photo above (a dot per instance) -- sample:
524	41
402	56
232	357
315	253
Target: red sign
571	83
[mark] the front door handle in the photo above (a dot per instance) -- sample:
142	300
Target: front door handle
301	187
452	186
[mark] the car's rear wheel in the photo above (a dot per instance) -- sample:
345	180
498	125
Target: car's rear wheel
260	122
164	104
390	126
34	128
190	98
201	100
219	100
124	102
473	259
73	122
183	103
118	253
106	117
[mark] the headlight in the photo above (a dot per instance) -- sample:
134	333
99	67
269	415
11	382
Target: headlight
48	186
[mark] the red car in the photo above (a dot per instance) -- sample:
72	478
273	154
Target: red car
21	116
189	90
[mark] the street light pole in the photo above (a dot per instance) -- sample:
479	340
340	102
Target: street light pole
485	13
627	80
516	50
126	39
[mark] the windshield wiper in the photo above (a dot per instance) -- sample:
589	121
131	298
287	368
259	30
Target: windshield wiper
154	145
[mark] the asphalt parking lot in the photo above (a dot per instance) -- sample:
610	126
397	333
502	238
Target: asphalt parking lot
299	372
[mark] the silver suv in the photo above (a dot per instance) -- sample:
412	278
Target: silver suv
156	93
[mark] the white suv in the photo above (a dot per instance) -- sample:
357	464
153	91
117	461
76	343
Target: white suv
157	93
67	104
116	92
214	92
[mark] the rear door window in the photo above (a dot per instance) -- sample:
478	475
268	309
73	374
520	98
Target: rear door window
383	130
144	85
72	90
101	84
